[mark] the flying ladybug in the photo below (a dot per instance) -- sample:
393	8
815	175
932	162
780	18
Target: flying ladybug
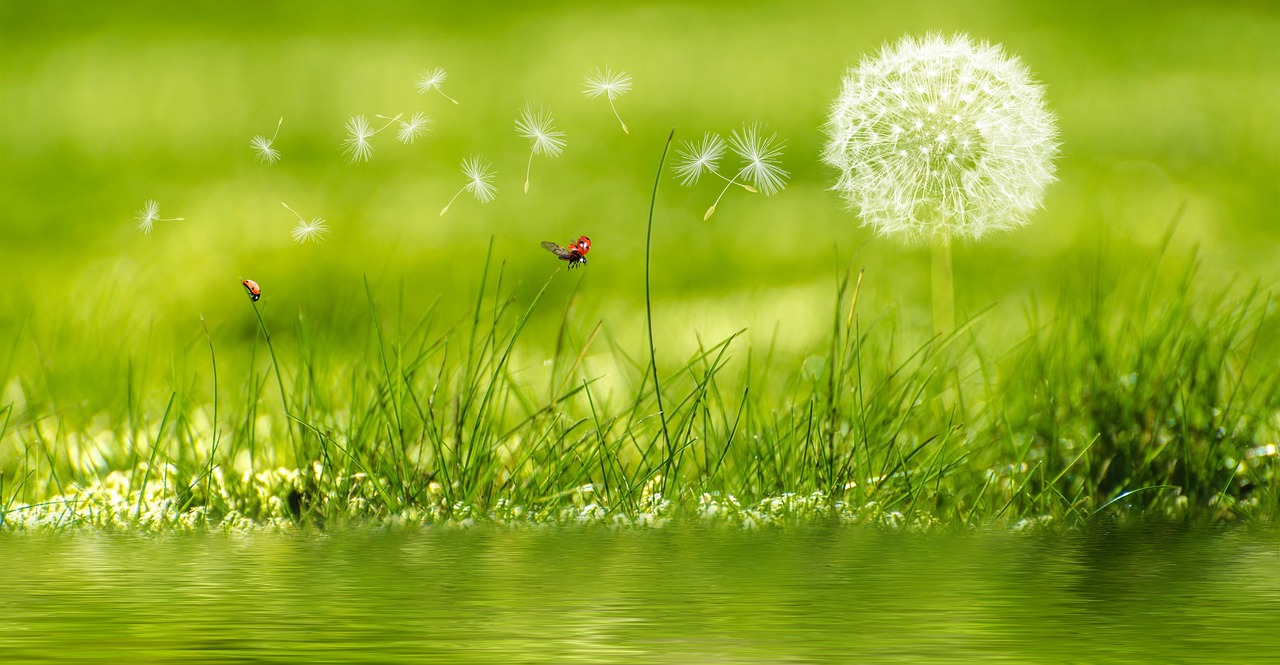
252	288
575	253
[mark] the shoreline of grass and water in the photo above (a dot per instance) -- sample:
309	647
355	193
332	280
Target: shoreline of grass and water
103	507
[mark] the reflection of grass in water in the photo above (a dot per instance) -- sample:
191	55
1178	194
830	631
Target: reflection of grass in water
1137	393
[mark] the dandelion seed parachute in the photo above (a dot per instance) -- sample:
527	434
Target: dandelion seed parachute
418	125
610	84
150	214
538	128
356	146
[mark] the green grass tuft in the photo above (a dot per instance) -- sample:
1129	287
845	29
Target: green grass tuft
1128	393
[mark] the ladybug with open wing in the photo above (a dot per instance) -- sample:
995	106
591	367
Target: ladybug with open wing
575	253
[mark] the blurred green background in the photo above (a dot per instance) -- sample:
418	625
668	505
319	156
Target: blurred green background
1162	106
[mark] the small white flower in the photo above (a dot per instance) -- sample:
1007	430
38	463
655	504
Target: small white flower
697	158
357	147
538	128
150	214
418	125
480	181
315	230
610	84
761	156
262	146
430	79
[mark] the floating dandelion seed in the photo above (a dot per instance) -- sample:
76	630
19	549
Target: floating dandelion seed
941	137
610	84
262	146
356	146
430	79
150	214
315	230
759	172
480	181
418	125
761	156
538	128
698	158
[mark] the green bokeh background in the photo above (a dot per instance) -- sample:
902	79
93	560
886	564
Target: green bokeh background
1163	106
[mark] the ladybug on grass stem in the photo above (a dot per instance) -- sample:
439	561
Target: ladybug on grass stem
254	290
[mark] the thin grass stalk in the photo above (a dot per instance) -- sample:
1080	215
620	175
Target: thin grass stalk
284	399
213	446
648	299
393	396
155	445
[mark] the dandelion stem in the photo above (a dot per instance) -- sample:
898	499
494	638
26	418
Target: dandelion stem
447	96
455	198
615	114
711	211
527	171
944	306
733	181
389	122
273	136
295	212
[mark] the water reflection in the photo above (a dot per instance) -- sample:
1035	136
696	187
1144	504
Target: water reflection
677	595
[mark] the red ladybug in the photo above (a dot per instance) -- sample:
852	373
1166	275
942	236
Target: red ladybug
575	253
252	287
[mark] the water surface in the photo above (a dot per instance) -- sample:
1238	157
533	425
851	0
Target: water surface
683	594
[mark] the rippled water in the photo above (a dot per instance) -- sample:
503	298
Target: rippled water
675	595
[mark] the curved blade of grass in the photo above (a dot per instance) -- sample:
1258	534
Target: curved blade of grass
648	298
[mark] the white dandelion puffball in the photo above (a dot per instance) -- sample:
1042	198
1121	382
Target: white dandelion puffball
941	136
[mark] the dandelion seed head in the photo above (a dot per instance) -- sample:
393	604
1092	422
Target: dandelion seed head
418	125
941	136
694	159
263	151
315	230
536	126
760	156
607	82
356	146
480	173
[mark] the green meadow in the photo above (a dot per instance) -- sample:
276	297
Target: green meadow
773	364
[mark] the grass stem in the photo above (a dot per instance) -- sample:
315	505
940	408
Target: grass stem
275	364
648	299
